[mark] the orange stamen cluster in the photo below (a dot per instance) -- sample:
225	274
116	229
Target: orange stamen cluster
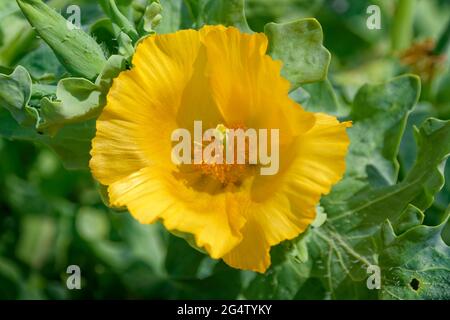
219	169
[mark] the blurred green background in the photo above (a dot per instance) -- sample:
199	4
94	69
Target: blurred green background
51	217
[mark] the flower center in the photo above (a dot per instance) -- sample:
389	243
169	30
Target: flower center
222	162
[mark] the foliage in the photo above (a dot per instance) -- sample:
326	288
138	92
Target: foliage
390	210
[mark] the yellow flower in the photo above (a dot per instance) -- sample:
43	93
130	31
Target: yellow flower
225	79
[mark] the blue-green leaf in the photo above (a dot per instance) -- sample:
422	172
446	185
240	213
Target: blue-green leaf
414	261
299	45
224	12
78	99
15	93
171	16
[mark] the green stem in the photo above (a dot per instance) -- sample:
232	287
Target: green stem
443	42
104	4
402	29
120	22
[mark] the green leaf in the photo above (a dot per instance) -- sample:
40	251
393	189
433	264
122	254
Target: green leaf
171	16
379	115
225	12
78	99
415	261
77	51
114	66
410	218
10	129
15	93
287	276
72	143
43	65
299	46
349	241
320	97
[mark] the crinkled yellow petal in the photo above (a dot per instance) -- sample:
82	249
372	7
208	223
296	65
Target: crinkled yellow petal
283	206
154	193
134	128
247	84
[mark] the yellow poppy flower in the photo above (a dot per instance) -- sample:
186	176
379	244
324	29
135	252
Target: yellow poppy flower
225	79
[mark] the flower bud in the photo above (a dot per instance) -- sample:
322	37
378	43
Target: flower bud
76	50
